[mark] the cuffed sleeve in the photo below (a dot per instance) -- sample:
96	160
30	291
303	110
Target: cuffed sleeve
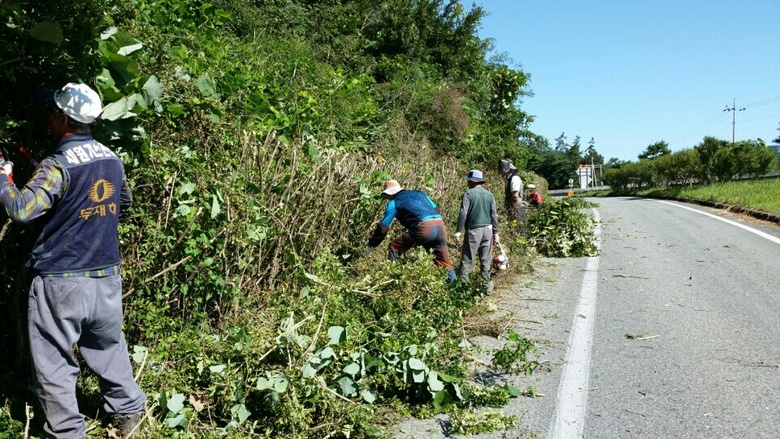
379	235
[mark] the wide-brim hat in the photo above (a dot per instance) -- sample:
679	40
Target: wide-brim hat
474	176
505	165
392	187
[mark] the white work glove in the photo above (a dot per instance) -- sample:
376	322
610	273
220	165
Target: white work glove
495	239
7	168
368	251
457	237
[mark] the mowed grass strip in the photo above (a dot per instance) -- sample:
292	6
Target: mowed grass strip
757	194
760	194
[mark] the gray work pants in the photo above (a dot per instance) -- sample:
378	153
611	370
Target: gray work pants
478	241
83	311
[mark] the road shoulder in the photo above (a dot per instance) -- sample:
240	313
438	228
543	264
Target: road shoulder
539	306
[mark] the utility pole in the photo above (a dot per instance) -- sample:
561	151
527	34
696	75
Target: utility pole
734	110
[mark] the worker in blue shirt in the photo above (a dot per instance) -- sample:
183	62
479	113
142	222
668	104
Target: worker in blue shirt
424	224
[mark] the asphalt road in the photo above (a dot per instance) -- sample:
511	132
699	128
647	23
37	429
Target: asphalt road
673	331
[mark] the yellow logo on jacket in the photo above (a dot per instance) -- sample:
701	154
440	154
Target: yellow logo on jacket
101	191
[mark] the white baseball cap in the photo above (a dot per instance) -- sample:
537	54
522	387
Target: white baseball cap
78	101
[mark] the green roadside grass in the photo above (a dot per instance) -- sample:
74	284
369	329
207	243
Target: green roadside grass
762	195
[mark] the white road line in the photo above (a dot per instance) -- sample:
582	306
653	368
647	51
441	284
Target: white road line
733	223
569	421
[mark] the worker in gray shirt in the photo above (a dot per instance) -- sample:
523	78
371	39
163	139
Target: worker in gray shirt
478	217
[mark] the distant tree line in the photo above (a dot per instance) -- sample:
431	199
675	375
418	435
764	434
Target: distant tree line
559	163
712	160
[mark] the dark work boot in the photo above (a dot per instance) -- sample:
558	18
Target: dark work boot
129	425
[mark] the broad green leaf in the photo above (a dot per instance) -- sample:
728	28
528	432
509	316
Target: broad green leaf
352	369
513	391
213	117
125	66
416	364
240	413
347	386
124	38
418	376
206	86
187	188
448	378
280	383
127	50
327	353
139	353
433	382
370	362
457	392
207	262
441	400
308	371
264	383
337	334
107	86
132	101
311	276
48	32
176	421
108	33
182	210
139	103
153	90
175	403
219	368
175	110
314	154
215	207
115	110
368	396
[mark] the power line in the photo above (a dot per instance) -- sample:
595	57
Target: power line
715	120
761	118
763	102
720	117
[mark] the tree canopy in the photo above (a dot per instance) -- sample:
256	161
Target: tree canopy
655	150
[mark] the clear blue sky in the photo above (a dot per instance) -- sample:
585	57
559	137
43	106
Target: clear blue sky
629	73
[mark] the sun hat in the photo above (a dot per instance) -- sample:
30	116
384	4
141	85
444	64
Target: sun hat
505	165
392	187
78	101
475	176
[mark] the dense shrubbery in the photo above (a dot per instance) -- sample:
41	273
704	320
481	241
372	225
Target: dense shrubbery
558	228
